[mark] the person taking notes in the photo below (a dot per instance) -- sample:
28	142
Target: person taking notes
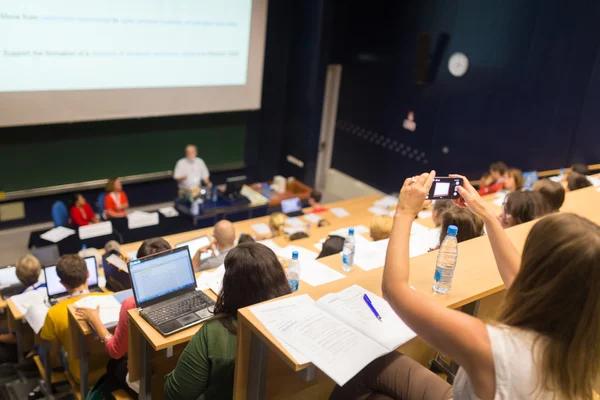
190	171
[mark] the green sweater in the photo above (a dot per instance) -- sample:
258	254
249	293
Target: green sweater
206	367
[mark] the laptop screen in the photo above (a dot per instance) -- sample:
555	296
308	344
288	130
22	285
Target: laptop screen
195	244
157	276
291	205
53	281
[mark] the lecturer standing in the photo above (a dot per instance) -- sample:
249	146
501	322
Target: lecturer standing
190	171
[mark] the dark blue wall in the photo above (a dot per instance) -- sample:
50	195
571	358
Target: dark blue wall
530	96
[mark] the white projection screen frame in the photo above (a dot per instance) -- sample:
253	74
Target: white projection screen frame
63	106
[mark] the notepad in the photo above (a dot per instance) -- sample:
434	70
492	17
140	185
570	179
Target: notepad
339	212
57	234
261	229
109	308
338	333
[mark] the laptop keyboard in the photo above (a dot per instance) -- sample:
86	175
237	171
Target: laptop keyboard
175	310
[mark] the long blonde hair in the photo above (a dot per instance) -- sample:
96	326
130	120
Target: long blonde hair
557	294
277	223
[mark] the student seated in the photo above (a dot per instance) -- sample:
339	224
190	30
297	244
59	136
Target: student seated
469	225
205	369
513	180
117	344
577	181
314	201
541	347
115	202
81	212
495	180
520	207
245	238
73	274
223	241
333	245
554	193
381	227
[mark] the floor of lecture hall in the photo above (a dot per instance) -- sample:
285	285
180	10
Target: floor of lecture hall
339	186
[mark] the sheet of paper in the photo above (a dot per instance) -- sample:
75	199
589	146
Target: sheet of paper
303	254
291	231
57	234
169	212
386	202
417	228
8	277
295	221
29	299
499	202
312	218
421	244
132	255
318	246
36	316
261	229
370	255
271	244
139	219
425	214
343	232
208	278
95	230
594	181
350	307
339	212
109	307
379	211
117	262
315	273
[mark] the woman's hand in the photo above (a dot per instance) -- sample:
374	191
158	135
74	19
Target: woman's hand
470	198
414	193
88	314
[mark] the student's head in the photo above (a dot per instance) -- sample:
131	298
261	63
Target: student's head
497	170
513	180
577	181
191	152
556	293
333	245
381	227
439	206
469	225
114	185
580	168
277	223
153	246
224	234
112	246
520	207
314	198
72	271
245	238
78	200
554	192
28	270
253	274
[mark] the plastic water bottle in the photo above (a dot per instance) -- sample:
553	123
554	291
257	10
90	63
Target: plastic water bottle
214	194
446	262
348	251
293	272
195	208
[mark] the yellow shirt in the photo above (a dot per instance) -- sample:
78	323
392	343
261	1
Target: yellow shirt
56	327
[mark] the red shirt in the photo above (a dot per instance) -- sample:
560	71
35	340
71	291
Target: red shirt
82	217
114	200
118	345
493	188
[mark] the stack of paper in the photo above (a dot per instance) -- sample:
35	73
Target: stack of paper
8	277
57	234
140	219
340	212
261	229
212	279
312	218
95	230
169	212
109	308
329	332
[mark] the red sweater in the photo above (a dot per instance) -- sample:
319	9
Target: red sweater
493	188
117	345
82	217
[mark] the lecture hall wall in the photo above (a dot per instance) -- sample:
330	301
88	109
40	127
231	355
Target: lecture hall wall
530	97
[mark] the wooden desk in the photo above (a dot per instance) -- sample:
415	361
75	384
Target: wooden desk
292	189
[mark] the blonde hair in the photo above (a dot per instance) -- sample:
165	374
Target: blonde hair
277	223
557	295
28	270
381	227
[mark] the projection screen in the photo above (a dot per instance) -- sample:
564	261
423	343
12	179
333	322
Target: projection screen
82	60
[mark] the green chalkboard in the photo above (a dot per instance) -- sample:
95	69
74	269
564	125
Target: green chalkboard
42	156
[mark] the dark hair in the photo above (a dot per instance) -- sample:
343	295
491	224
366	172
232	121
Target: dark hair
469	225
110	185
245	238
333	245
298	235
253	274
442	205
554	192
526	206
517	175
74	199
152	246
580	168
316	195
499	166
577	181
72	271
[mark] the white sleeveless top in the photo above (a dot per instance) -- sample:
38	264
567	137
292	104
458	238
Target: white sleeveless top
515	369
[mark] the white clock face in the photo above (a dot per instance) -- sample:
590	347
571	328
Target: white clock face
458	64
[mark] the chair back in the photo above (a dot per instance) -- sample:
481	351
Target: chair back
100	205
60	214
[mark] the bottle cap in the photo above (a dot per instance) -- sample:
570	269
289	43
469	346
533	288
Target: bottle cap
351	231
452	230
83	246
294	255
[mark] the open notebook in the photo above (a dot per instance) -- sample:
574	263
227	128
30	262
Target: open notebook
338	333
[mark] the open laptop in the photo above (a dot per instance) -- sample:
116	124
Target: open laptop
164	288
292	207
529	179
56	291
195	244
9	283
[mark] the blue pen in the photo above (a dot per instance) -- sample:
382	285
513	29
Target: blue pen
368	301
